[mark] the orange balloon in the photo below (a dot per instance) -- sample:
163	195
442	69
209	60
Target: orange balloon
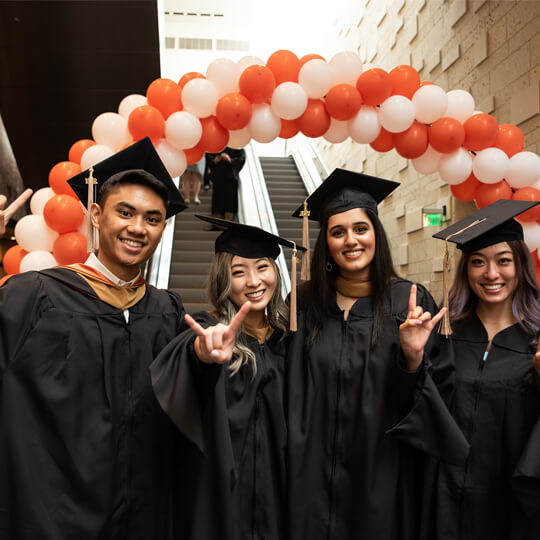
425	83
481	132
164	95
289	128
194	155
528	194
12	259
284	65
534	257
188	77
257	83
3	279
446	134
537	276
60	174
315	121
146	121
343	101
489	193
233	111
466	190
510	139
308	57
384	141
78	149
70	248
63	213
405	81
412	142
214	136
374	85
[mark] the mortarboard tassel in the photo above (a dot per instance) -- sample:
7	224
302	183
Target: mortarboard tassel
305	270
91	240
293	326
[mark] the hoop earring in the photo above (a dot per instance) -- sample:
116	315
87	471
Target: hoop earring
329	266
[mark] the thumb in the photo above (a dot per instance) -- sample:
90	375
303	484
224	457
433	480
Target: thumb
3	201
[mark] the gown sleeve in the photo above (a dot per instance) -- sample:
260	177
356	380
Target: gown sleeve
429	425
181	382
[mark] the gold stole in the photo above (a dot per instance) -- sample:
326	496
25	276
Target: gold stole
353	288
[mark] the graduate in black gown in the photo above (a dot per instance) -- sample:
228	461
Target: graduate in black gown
351	473
490	379
85	450
227	371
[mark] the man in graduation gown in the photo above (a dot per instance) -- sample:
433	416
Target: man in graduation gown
85	450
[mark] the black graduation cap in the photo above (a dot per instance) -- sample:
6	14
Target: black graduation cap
246	240
487	226
138	156
344	190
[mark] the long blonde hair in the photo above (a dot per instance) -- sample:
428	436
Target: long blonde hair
219	289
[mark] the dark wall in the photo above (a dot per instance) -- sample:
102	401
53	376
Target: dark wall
62	63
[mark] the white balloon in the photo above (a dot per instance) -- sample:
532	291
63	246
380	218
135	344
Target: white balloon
460	105
347	68
38	260
238	138
200	97
131	102
183	130
365	125
264	125
289	101
523	170
316	77
456	167
247	61
224	73
531	234
490	165
536	185
32	233
428	162
337	132
396	114
430	103
174	160
110	129
39	199
95	154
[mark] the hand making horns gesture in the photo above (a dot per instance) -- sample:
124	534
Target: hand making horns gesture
5	215
214	345
415	331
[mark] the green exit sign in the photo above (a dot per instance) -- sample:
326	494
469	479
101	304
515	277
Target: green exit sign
433	220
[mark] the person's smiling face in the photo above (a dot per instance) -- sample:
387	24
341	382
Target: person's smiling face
130	225
350	238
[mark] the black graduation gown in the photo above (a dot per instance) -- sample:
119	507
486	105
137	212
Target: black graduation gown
495	495
85	450
225	178
233	471
351	475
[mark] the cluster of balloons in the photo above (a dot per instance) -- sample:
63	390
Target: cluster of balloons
55	232
235	102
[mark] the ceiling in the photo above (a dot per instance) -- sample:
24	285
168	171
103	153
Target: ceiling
62	63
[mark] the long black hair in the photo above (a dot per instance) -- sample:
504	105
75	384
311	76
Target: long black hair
322	280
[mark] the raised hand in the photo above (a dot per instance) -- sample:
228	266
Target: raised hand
536	359
214	345
415	331
5	215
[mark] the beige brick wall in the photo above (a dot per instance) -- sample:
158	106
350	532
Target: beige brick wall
489	48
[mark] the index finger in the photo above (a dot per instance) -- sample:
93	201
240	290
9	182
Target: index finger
238	319
17	203
194	325
412	298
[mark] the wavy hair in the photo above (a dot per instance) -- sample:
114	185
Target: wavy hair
525	298
322	281
219	290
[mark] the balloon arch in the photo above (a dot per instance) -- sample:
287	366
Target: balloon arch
236	102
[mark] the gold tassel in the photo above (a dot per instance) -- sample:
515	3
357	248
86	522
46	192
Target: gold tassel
305	270
293	326
445	328
91	239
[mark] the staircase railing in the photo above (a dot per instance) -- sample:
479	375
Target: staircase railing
308	160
